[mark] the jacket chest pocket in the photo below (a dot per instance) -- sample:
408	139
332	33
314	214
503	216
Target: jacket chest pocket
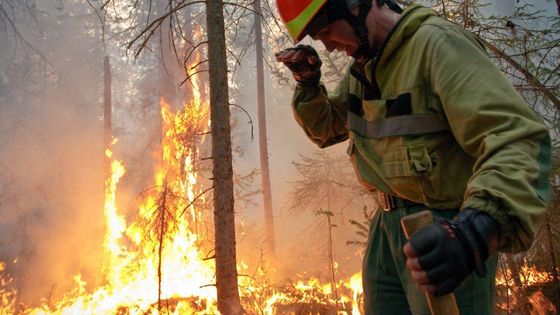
400	132
405	161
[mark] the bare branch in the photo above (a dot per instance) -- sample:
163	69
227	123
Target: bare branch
22	38
155	24
248	116
195	199
529	76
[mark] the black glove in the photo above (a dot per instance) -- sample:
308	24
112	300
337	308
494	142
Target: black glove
449	251
304	62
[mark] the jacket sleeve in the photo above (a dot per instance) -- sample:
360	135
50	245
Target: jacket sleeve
493	124
322	115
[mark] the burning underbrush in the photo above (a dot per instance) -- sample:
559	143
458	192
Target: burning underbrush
528	291
305	296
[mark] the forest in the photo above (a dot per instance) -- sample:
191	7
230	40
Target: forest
150	162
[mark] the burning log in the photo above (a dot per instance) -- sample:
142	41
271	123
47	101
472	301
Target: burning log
541	304
526	291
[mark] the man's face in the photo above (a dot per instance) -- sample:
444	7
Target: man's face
335	35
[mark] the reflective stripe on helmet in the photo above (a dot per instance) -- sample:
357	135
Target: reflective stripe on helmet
297	17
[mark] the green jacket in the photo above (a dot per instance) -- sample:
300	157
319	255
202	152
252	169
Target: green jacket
432	120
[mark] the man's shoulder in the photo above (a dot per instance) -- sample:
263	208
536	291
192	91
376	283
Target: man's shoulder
435	25
437	28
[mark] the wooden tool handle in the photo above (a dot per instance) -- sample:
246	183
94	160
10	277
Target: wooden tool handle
439	305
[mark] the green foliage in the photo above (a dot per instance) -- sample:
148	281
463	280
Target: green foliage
362	228
326	181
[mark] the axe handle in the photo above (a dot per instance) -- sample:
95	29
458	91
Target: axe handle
439	305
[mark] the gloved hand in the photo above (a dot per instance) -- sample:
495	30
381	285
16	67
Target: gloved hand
304	62
442	254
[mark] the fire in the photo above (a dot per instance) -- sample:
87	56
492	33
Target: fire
115	224
154	263
311	296
528	276
157	263
7	294
357	291
510	296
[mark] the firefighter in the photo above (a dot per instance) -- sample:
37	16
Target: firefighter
432	124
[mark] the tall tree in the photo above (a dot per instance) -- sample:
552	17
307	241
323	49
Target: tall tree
263	144
107	111
168	65
224	217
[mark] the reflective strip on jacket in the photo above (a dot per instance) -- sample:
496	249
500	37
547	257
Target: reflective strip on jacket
439	125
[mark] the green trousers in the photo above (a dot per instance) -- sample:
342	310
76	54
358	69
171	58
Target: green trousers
388	285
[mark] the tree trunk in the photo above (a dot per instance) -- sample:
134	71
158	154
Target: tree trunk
263	145
329	214
107	110
224	218
167	64
519	290
188	47
554	266
550	238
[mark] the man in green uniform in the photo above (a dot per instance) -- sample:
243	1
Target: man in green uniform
431	123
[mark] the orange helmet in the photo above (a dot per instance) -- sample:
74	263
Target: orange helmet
297	14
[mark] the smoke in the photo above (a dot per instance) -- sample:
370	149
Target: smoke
51	210
51	162
301	239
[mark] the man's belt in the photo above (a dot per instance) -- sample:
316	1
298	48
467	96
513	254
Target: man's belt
390	202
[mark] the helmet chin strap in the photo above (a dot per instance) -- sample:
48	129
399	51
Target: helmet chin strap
391	4
359	24
360	29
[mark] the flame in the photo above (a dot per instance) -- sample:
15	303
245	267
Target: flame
156	262
115	223
168	267
509	294
357	291
7	294
316	295
528	275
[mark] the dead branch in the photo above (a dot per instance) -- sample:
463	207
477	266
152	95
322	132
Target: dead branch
22	38
248	116
155	24
195	199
